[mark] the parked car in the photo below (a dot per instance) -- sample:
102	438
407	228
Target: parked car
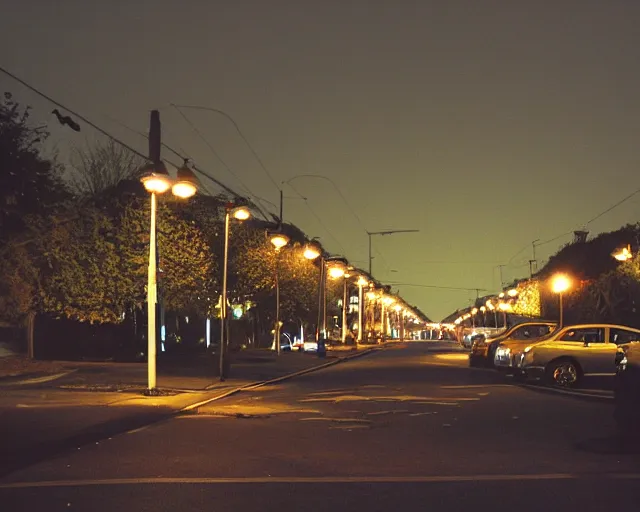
483	349
478	333
627	390
566	356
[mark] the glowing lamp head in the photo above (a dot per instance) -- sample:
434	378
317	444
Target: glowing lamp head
371	295
240	213
483	308
362	281
505	307
311	252
623	254
398	308
279	240
186	184
336	272
474	311
513	292
155	178
560	283
501	295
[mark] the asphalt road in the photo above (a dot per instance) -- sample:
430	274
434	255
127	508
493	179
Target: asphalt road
408	427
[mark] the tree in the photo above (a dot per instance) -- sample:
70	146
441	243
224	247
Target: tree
102	166
29	183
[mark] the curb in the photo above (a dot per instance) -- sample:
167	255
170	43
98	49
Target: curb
568	392
255	385
37	380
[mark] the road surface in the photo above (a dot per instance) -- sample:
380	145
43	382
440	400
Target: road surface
409	427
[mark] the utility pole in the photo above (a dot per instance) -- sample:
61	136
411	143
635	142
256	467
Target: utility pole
533	263
501	280
383	233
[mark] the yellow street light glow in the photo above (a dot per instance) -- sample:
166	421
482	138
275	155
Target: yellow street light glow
240	213
335	272
184	190
483	309
397	307
388	300
489	304
560	283
504	306
156	183
311	252
513	292
623	254
474	311
279	240
371	295
362	281
186	184
501	295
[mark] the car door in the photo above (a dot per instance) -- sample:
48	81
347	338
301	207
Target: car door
618	337
588	345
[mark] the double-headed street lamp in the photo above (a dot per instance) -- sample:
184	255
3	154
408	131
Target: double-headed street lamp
156	180
239	213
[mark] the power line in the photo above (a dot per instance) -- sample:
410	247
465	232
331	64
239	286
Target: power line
439	287
212	149
122	143
222	112
318	218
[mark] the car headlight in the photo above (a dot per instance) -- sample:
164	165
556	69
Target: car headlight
503	351
527	349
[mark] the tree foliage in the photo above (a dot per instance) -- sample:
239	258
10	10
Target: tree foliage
29	183
102	166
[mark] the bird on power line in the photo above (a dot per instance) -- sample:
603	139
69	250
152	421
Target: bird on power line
66	120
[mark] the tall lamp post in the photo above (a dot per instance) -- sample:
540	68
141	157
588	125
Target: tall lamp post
239	213
560	283
279	240
156	180
362	282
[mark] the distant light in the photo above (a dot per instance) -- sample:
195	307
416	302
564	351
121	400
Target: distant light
623	254
279	240
362	281
560	283
311	252
336	271
513	292
240	213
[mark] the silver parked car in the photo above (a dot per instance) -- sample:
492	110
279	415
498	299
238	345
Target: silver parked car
575	351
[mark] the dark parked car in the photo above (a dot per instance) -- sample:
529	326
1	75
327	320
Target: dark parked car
627	390
483	349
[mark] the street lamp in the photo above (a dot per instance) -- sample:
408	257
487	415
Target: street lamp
623	254
362	282
560	283
156	180
279	240
504	307
387	301
239	213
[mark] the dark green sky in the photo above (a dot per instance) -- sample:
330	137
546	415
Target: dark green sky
484	124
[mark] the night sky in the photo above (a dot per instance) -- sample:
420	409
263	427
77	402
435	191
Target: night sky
484	124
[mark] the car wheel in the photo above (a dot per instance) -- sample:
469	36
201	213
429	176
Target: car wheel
563	373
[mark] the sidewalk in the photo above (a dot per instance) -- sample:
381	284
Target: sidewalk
43	420
180	374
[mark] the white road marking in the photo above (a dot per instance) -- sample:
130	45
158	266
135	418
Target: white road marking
471	386
319	480
337	420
